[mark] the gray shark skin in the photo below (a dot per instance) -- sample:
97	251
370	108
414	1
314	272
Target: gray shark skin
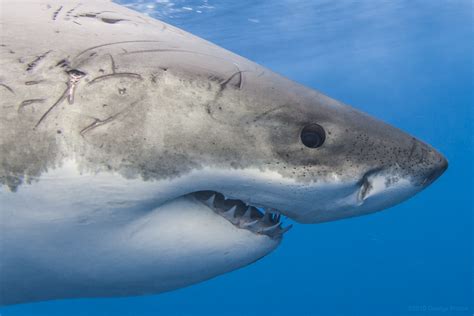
136	158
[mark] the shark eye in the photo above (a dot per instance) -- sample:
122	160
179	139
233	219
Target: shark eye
313	136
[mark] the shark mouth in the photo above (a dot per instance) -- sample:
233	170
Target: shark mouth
262	221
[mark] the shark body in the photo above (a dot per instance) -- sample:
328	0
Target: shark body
136	158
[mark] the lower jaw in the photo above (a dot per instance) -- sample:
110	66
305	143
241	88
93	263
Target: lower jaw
176	244
256	220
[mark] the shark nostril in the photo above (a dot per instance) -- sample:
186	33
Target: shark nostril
443	164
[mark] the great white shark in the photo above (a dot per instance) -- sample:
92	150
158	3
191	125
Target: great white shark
136	158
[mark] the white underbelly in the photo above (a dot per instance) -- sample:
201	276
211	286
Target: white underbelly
71	235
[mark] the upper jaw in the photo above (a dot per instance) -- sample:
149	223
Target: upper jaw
244	216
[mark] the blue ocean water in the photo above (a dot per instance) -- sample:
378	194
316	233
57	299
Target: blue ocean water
409	63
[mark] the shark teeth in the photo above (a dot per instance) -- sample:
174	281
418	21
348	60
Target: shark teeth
247	213
210	201
251	225
245	216
270	229
230	215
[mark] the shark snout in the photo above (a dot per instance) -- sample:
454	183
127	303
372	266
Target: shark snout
386	185
422	163
437	166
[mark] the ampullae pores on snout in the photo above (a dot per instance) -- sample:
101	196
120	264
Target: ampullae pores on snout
136	158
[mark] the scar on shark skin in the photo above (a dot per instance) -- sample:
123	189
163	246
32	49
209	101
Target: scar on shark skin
112	64
35	61
98	17
33	82
176	50
223	83
28	102
7	87
60	99
55	13
115	43
98	122
68	13
227	81
114	73
74	77
119	74
80	62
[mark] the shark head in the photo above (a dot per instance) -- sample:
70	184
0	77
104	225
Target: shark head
321	160
141	159
276	145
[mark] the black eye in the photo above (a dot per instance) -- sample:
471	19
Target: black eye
313	135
